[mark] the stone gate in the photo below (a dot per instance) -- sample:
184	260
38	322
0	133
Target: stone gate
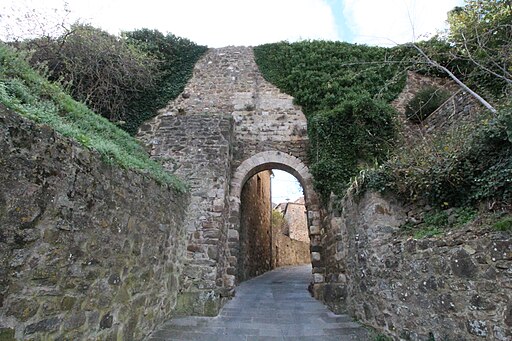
226	126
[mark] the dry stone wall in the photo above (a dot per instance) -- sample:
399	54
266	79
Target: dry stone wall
454	287
87	250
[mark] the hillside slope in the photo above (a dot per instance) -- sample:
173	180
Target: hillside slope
26	92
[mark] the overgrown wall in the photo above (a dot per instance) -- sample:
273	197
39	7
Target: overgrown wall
87	250
454	287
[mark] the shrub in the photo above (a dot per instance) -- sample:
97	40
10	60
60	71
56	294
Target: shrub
96	68
425	102
125	79
464	167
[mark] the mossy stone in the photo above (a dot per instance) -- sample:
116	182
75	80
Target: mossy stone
7	334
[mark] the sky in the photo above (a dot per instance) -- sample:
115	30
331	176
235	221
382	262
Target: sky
218	23
284	187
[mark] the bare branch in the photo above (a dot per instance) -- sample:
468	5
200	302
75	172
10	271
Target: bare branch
457	80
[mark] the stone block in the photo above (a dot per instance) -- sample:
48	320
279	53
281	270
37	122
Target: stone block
315	256
44	326
314	230
318	278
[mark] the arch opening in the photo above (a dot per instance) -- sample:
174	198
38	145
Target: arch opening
273	224
245	219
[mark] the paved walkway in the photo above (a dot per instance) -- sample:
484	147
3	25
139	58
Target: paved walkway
273	306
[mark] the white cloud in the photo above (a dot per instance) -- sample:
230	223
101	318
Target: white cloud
391	22
213	23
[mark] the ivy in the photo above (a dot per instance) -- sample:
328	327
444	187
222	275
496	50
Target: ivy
344	90
176	56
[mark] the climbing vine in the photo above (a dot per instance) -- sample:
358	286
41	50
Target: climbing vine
176	59
344	90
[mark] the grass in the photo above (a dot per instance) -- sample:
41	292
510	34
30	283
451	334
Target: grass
504	224
437	222
31	95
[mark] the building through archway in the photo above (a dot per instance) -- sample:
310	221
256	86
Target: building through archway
271	235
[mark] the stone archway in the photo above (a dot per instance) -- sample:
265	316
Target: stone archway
277	160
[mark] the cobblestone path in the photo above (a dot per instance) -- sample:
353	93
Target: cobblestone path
273	306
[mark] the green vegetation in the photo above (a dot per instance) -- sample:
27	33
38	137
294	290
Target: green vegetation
176	59
96	68
344	90
126	79
437	221
481	39
26	92
504	224
466	166
382	337
425	102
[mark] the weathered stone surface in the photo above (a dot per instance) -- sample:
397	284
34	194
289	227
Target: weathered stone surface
449	287
79	238
256	247
228	125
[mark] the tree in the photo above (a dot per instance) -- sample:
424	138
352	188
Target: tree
481	33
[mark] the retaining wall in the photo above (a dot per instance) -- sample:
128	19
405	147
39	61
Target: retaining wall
87	250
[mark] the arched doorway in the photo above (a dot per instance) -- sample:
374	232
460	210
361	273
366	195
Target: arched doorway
262	162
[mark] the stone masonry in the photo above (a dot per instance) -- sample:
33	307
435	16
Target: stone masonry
295	216
457	286
88	251
255	256
226	126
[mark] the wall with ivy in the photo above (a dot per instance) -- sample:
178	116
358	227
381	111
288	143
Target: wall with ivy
177	57
344	90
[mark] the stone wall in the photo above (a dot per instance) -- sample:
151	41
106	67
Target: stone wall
288	251
255	257
415	82
460	109
453	287
197	147
87	250
295	215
